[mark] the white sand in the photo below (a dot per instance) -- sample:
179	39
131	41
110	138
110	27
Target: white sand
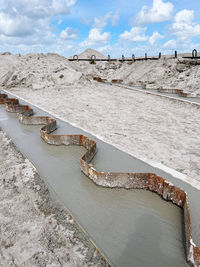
33	230
147	126
144	125
39	71
165	73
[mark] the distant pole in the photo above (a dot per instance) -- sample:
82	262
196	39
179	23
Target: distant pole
159	56
175	54
108	58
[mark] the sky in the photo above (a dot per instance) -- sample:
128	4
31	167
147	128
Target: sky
113	27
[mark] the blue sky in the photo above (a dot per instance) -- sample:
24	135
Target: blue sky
112	27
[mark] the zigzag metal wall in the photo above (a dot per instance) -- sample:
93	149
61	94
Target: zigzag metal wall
149	181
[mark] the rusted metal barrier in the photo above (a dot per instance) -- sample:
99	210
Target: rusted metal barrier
179	92
148	181
99	79
117	81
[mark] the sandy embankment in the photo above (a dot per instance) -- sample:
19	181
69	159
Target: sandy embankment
34	230
147	126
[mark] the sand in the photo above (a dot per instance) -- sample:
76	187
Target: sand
40	71
165	73
34	230
146	126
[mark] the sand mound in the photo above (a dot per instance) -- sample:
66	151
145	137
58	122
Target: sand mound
37	71
90	52
166	73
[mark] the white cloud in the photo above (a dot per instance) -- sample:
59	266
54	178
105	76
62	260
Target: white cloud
69	34
96	38
59	22
170	44
86	21
105	49
115	18
101	22
29	17
180	46
136	34
19	26
183	26
155	37
25	25
159	12
37	8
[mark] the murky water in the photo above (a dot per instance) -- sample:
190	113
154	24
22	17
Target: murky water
131	227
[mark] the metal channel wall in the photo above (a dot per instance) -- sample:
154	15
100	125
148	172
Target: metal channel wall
148	181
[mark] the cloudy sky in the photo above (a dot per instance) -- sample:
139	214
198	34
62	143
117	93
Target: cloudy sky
113	27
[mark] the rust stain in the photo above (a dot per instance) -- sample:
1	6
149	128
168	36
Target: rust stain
117	81
99	79
149	181
179	92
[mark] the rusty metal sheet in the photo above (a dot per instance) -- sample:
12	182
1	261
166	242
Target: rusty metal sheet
179	92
